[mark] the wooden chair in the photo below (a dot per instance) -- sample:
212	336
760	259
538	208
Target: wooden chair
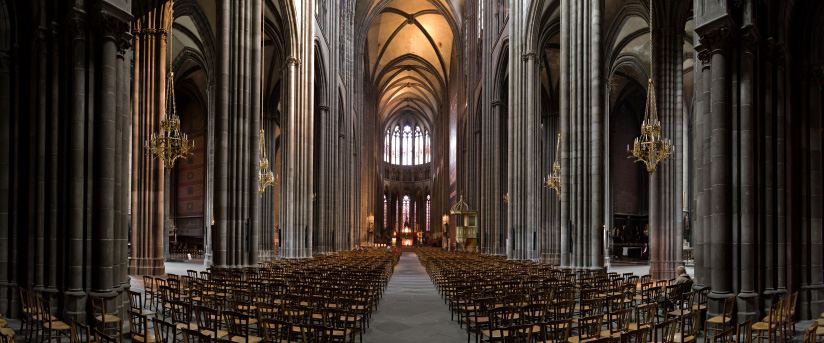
276	331
80	333
337	320
717	324
811	333
237	325
106	322
635	336
194	336
743	332
667	331
500	318
688	329
135	305
522	333
182	315
164	331
7	335
480	317
554	331
770	330
148	291
102	337
139	326
644	316
726	336
618	323
314	333
49	323
589	328
208	321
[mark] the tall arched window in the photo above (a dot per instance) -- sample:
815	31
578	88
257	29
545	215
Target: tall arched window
407	145
387	147
396	145
405	210
427	212
418	145
385	213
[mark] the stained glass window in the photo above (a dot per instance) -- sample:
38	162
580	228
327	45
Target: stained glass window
405	210
407	145
385	213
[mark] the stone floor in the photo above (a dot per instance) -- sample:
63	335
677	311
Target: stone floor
411	309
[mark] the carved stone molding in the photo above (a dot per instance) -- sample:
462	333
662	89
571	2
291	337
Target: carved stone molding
716	39
497	103
110	26
124	43
704	56
530	55
291	61
323	108
77	24
749	39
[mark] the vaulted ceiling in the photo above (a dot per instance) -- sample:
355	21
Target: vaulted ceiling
408	55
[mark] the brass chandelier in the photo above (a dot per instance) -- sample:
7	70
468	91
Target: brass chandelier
265	176
169	144
650	148
553	180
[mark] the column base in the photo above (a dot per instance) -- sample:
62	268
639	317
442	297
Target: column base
816	300
75	302
747	305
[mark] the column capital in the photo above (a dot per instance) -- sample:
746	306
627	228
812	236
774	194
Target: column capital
749	39
716	39
76	24
531	55
291	61
111	26
704	56
323	108
497	103
124	43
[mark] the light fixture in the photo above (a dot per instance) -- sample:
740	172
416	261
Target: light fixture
553	180
169	144
650	148
265	176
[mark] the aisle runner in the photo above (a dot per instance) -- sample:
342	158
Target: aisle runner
411	309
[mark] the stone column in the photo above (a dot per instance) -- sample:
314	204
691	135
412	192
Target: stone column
40	161
221	193
75	293
697	171
704	208
721	168
564	253
52	163
596	135
5	166
103	228
816	287
748	297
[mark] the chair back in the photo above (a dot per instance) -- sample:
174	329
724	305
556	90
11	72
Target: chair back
194	336
99	307
726	336
519	333
645	314
181	313
315	333
729	304
101	337
619	321
589	327
135	303
635	336
774	317
275	330
743	331
79	332
689	324
554	331
165	332
809	335
667	331
207	318
139	326
237	324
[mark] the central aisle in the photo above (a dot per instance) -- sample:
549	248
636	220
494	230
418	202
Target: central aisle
411	309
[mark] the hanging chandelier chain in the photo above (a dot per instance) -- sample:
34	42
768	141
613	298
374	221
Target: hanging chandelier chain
265	176
169	144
